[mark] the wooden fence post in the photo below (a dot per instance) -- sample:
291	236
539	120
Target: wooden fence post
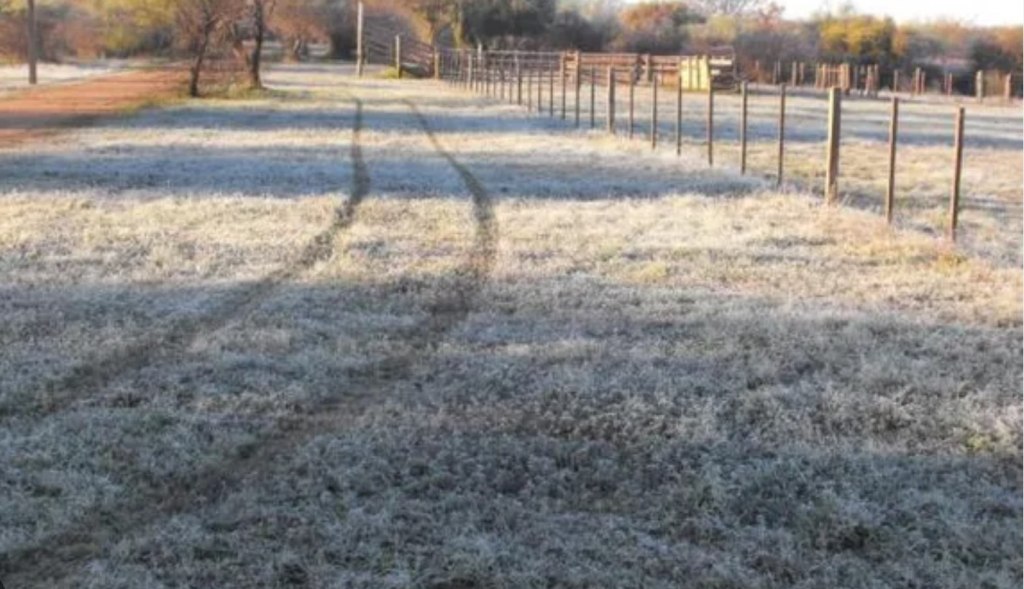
519	81
782	134
513	81
481	69
529	90
499	76
593	97
743	127
679	109
360	40
565	89
551	91
578	67
958	158
711	125
1008	88
834	129
611	101
979	85
540	91
895	81
398	56
654	112
890	191
793	73
632	101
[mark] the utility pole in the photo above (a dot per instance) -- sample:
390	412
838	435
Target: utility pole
33	52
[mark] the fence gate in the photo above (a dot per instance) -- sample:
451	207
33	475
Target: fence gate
387	41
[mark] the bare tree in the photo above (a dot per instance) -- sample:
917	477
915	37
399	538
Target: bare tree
202	23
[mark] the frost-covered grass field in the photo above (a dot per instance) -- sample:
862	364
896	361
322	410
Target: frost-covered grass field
386	334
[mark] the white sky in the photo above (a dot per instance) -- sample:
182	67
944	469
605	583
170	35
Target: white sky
981	12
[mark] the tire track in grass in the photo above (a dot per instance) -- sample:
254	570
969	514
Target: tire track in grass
59	557
91	375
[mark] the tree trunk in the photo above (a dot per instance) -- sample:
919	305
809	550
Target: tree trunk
197	65
260	24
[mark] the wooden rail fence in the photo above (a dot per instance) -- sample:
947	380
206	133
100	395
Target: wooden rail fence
522	78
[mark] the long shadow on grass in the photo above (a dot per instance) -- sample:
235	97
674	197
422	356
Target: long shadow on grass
688	418
288	171
446	305
471	114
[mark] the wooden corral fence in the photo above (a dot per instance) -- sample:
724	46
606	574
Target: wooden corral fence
698	71
871	79
566	85
385	40
549	81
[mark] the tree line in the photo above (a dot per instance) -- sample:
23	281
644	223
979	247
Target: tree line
757	29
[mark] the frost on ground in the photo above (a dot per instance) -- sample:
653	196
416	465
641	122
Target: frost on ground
562	361
13	77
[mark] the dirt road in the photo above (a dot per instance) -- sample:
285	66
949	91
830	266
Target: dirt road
40	112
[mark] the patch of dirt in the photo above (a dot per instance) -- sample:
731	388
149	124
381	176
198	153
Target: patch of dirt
42	112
